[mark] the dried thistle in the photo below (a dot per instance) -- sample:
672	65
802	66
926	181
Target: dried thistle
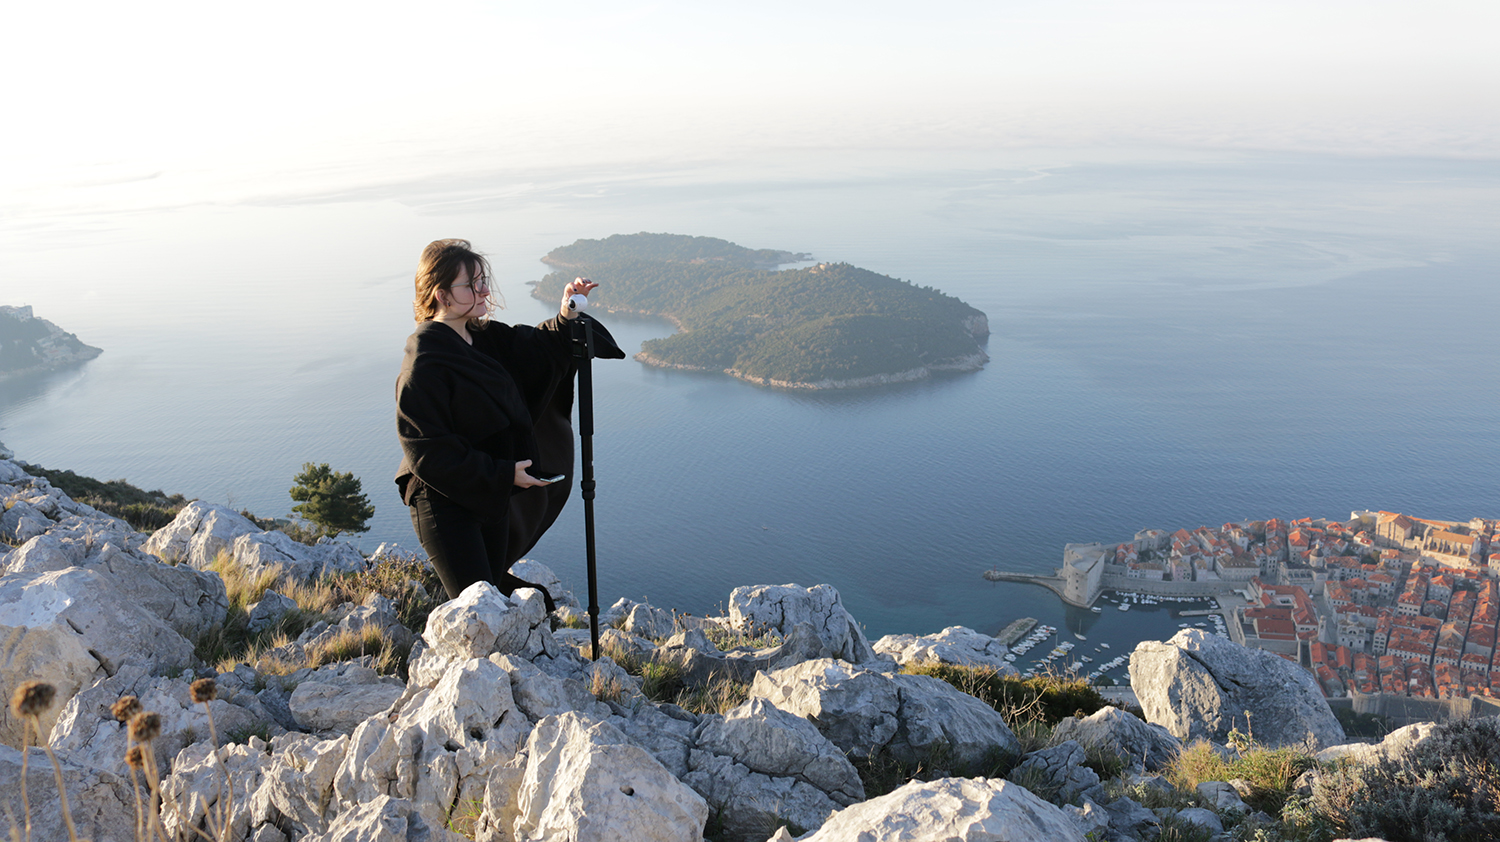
204	690
125	707
145	727
32	699
135	758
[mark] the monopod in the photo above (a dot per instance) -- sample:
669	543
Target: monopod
583	352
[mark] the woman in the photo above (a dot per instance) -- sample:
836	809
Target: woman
482	411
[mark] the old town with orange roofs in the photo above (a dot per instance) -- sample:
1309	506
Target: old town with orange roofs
1383	603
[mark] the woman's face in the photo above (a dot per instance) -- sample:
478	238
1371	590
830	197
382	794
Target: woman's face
467	298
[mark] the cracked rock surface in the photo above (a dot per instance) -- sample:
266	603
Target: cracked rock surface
1201	686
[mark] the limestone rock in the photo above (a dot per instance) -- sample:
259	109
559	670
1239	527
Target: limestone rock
1128	816
201	794
114	629
1201	686
199	533
1057	772
1395	744
667	731
969	809
700	662
297	783
1143	746
377	612
749	802
853	707
953	645
586	782
1223	797
773	742
52	653
258	552
384	819
864	712
1205	819
338	697
481	621
268	611
781	607
537	573
87	732
101	803
936	716
539	695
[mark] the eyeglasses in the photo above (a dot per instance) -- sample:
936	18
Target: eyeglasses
479	286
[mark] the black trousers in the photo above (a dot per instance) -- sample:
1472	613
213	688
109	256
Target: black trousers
463	547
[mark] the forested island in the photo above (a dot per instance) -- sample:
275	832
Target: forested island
29	344
828	326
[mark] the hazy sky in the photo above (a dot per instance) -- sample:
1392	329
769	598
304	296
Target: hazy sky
186	100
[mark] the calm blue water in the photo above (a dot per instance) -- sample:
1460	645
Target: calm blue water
1175	343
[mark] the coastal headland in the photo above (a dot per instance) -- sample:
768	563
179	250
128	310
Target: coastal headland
829	326
29	345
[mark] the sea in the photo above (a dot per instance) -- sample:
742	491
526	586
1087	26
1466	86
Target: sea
1179	338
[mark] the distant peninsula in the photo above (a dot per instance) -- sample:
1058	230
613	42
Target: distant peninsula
29	345
829	326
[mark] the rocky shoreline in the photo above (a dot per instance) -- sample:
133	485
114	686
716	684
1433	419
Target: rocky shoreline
973	362
29	345
504	729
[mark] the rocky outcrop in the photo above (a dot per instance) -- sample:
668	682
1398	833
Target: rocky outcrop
780	608
199	533
866	713
100	802
1144	747
587	782
947	809
953	645
1202	686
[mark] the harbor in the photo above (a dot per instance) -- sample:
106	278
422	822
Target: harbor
1095	642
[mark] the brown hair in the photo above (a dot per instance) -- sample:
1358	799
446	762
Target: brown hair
438	269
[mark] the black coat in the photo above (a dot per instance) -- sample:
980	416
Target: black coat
466	415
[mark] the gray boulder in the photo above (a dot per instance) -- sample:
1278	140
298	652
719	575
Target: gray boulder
1395	744
1200	817
338	697
1202	686
260	552
969	809
953	645
773	742
481	621
586	782
384	819
1127	816
1144	747
1223	797
1057	773
269	611
864	712
202	795
115	629
782	607
699	661
199	533
88	732
101	803
52	653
